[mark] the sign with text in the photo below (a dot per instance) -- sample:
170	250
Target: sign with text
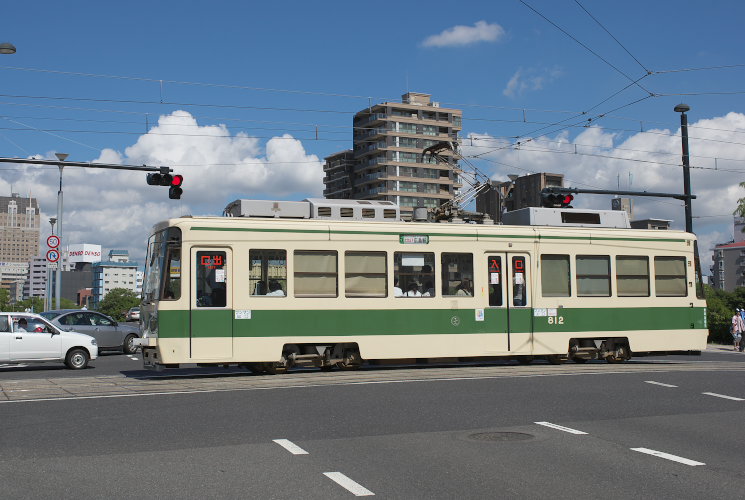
84	252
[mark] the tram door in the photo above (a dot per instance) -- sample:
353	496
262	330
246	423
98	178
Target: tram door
211	311
509	297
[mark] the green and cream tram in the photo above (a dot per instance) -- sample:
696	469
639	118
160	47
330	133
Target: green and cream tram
333	286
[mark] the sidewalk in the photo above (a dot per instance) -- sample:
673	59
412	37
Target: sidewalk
722	348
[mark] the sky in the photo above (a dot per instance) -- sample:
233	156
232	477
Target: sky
245	99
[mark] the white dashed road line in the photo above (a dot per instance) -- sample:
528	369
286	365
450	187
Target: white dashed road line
722	396
560	427
668	456
355	488
290	446
659	383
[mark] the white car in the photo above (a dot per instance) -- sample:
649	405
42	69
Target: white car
29	338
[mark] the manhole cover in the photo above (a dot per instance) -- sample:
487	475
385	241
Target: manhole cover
501	436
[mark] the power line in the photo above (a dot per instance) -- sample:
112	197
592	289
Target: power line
727	66
585	47
613	37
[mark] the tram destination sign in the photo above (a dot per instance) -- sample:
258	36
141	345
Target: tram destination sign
413	239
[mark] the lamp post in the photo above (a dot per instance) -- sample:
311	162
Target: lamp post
682	108
58	277
7	48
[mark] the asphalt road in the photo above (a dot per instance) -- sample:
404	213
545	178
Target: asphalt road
662	427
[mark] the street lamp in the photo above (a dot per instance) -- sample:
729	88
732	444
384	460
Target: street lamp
7	48
682	108
58	278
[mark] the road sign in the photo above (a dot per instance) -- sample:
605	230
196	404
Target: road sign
53	241
53	255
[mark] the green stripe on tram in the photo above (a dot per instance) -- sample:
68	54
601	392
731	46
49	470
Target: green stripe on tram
316	323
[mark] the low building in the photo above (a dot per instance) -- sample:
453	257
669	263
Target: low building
117	272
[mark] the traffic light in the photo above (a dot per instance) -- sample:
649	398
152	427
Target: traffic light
166	179
174	192
556	200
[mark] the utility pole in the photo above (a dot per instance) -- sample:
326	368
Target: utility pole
682	108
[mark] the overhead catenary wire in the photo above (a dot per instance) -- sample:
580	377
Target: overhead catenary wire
613	37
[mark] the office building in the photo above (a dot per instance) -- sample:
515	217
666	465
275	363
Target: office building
387	161
36	282
19	228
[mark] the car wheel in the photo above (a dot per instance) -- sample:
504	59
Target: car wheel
77	359
129	344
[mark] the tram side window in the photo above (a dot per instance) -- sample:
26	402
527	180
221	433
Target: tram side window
267	275
457	274
365	274
670	276
632	276
494	265
211	279
414	273
593	275
172	272
316	273
555	276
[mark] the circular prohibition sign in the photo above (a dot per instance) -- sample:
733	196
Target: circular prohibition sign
53	255
53	241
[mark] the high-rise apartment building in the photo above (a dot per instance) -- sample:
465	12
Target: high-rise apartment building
19	228
387	162
117	272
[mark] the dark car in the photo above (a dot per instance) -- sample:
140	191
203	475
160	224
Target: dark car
108	333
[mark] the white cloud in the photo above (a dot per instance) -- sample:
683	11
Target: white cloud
116	208
656	169
530	79
459	36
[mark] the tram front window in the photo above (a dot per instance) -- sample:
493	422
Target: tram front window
163	266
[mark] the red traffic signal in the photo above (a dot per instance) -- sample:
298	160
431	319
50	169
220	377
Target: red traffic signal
175	191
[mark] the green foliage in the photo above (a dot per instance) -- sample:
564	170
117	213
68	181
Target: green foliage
740	210
720	307
68	304
117	302
35	304
4	300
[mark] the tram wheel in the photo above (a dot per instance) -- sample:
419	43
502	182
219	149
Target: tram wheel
556	359
580	360
620	355
327	368
274	368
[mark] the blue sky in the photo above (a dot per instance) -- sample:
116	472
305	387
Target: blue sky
247	86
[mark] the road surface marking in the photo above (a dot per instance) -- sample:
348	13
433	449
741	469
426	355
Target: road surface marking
290	446
659	383
560	427
668	456
722	396
357	489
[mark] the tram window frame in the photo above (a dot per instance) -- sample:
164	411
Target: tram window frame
551	274
260	285
660	278
210	279
586	278
301	275
456	267
365	274
623	279
404	279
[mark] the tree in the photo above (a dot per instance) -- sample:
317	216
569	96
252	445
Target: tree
740	210
4	300
117	302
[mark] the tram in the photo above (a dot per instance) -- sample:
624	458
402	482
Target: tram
337	283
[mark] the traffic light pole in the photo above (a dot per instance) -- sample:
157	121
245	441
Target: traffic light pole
563	190
61	164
